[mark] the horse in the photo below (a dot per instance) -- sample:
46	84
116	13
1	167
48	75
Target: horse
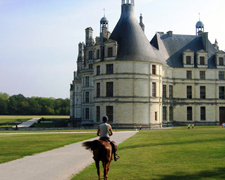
102	151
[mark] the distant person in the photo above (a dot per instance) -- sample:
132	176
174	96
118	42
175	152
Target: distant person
189	126
193	126
140	127
105	131
16	127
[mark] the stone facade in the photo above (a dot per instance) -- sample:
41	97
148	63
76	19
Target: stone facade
174	78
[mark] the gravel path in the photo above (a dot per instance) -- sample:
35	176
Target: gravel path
57	164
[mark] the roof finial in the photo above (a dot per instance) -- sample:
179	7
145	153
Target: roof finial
199	16
104	12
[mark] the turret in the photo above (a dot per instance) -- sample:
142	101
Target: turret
199	27
103	29
80	58
89	36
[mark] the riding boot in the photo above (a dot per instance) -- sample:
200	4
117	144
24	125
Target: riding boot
116	156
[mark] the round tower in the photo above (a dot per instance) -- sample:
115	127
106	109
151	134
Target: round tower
128	86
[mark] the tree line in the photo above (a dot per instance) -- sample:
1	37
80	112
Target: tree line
20	105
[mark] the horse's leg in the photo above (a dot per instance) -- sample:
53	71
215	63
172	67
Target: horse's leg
98	170
106	170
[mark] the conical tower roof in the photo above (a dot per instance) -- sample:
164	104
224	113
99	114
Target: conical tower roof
132	42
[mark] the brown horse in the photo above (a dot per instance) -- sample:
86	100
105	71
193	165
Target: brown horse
102	151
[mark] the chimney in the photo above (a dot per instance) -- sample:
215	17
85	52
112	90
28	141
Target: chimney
205	41
170	33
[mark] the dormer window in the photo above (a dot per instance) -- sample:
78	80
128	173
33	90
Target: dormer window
202	59
220	59
110	52
188	58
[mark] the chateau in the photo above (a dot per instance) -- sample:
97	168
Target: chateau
171	79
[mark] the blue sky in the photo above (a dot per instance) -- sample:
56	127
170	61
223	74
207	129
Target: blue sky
39	39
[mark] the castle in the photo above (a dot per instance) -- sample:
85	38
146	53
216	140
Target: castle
171	79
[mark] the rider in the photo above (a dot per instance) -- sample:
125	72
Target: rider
104	131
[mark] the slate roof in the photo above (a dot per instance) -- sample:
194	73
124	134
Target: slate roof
132	42
171	48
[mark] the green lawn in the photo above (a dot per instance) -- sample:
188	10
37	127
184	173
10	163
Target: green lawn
20	145
176	154
13	120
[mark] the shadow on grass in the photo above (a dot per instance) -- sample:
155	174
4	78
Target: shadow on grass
218	173
171	143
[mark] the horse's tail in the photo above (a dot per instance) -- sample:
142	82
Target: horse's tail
92	144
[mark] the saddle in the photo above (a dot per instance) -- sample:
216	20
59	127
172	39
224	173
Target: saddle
114	146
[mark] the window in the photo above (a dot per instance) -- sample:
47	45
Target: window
109	69
189	75
87	81
202	92
202	75
164	113
170	91
153	69
221	92
189	92
188	60
98	90
109	112
109	89
86	113
189	113
171	113
87	97
98	54
164	91
110	52
221	63
203	116
98	113
90	55
156	116
221	75
90	66
202	60
153	89
98	70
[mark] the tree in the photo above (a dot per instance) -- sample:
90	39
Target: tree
4	96
3	107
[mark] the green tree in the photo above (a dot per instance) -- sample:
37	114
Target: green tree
4	96
3	107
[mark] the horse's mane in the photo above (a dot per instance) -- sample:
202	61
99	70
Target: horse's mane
92	144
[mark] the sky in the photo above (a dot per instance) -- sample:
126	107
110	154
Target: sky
39	39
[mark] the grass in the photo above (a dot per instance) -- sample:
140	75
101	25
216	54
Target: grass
176	154
13	120
15	146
